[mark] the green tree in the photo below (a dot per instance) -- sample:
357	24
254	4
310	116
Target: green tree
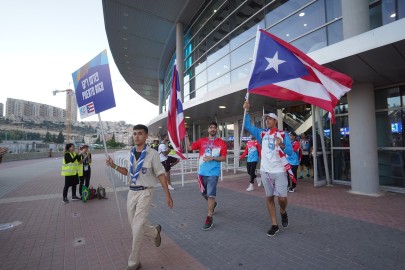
48	137
60	138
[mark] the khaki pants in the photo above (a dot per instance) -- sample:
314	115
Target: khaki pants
138	205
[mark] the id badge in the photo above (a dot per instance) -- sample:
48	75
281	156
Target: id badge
86	167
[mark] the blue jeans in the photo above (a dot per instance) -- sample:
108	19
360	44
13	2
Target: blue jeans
210	186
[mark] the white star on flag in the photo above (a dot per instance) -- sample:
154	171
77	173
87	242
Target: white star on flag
274	62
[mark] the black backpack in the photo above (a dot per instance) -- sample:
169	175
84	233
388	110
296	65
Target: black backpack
101	194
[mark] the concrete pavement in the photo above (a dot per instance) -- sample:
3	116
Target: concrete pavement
330	228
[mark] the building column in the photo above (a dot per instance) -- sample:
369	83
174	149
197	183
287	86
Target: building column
363	140
356	17
161	96
180	56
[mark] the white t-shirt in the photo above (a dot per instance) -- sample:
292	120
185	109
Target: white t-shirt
162	148
270	161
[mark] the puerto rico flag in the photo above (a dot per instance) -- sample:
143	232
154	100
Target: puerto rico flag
175	119
279	70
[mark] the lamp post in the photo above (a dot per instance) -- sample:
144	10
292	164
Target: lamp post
69	94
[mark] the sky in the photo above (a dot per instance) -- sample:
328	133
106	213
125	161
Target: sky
43	42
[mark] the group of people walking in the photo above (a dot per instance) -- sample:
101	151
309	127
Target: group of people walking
278	152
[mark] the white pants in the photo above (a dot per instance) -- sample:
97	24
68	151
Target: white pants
138	205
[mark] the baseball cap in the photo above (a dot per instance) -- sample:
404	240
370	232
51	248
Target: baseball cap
293	133
272	115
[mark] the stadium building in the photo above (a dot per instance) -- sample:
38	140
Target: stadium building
213	43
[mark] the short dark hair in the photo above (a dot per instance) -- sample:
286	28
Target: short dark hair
68	145
140	126
213	123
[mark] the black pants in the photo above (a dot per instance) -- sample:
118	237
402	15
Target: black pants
294	169
251	170
84	180
70	181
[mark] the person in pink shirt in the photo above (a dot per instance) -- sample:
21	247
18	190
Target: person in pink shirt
253	151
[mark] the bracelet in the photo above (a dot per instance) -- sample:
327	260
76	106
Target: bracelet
116	167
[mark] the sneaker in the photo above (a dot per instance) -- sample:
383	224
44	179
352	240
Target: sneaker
65	200
134	267
259	182
290	189
250	188
75	198
273	230
170	187
284	219
208	223
215	206
158	239
301	177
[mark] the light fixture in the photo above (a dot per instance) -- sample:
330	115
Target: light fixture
305	25
287	35
215	10
188	117
302	14
393	15
222	107
225	66
160	127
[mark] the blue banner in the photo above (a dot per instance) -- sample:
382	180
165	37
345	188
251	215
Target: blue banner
93	86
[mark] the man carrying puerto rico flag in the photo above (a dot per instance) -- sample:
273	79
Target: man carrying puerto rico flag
279	70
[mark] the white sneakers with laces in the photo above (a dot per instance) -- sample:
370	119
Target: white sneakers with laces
170	187
250	188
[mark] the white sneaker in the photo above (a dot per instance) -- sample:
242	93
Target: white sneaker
250	188
170	187
259	182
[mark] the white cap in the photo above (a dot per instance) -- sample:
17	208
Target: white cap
272	115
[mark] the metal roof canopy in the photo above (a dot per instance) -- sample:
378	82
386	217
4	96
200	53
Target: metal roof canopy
142	39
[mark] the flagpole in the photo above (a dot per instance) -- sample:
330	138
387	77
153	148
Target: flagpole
110	169
243	123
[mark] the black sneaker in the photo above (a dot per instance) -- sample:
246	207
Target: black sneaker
208	223
215	206
284	219
75	198
65	200
273	230
290	189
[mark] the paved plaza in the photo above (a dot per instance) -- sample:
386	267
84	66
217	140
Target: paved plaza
330	228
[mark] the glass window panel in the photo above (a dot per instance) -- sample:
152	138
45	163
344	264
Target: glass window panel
342	107
241	35
341	164
301	23
401	9
219	68
201	79
387	98
224	80
186	91
282	9
375	15
200	65
388	11
216	53
390	128
333	9
312	42
335	32
201	91
241	72
243	54
341	132
391	168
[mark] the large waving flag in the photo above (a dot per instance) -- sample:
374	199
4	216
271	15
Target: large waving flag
175	119
282	71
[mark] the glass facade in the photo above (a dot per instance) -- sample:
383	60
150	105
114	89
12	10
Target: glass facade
218	45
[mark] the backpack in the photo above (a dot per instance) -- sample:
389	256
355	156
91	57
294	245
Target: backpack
101	194
92	193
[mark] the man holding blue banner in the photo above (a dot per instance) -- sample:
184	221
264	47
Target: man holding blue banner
145	170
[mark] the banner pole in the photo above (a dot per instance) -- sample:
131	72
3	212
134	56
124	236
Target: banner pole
243	124
111	176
